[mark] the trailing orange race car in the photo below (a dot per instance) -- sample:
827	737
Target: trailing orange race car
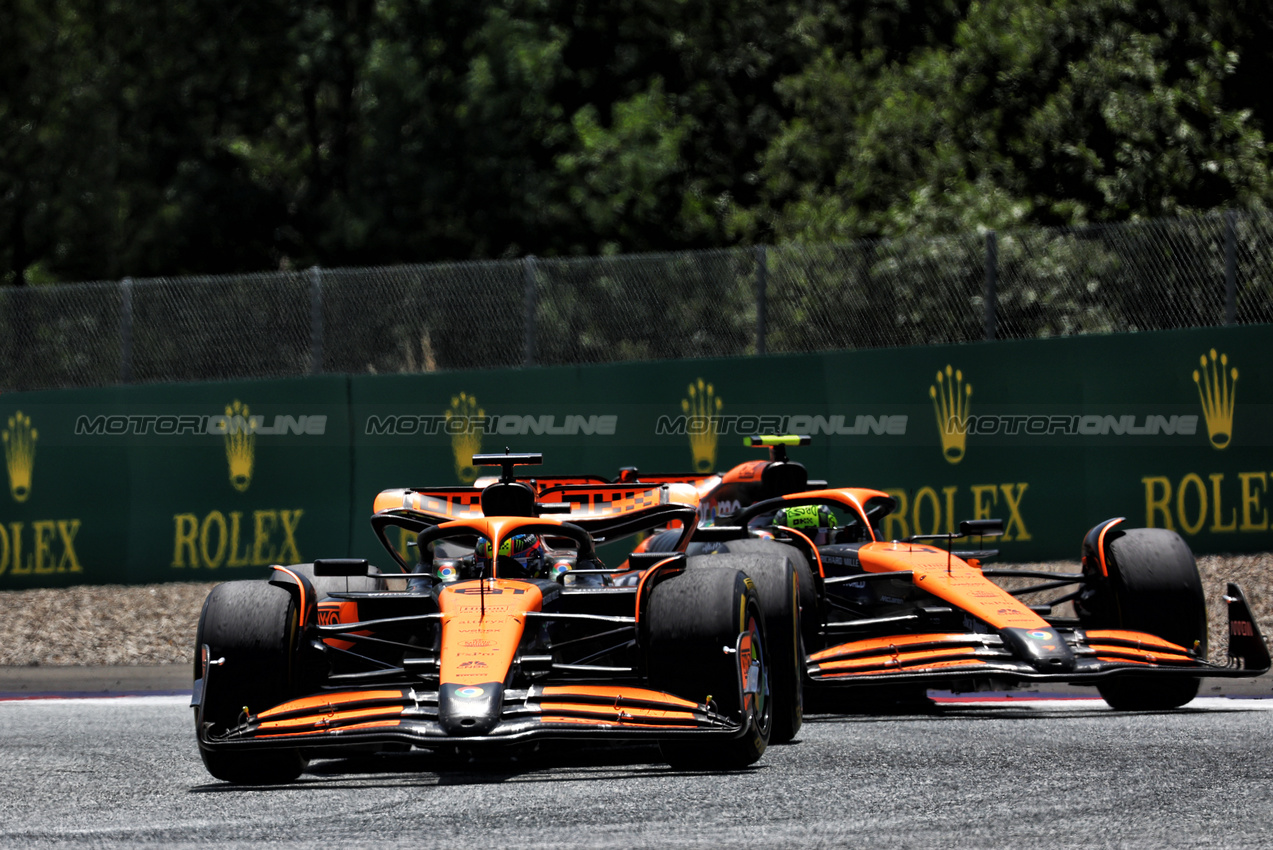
507	630
894	618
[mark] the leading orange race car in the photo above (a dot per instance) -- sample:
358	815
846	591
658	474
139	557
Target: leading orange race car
506	631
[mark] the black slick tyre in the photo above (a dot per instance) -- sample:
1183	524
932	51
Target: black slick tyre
692	620
1153	586
778	587
810	611
253	626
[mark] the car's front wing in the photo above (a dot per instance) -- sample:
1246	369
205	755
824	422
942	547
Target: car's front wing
942	657
1051	654
405	715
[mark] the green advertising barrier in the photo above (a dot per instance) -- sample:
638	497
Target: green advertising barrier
64	518
1167	429
193	482
211	481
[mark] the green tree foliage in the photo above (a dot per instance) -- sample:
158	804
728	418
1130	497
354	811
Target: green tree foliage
1062	112
189	137
121	124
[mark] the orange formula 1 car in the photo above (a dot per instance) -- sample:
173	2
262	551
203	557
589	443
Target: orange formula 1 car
506	631
894	618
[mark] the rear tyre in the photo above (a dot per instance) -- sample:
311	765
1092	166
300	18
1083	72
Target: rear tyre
778	588
810	612
692	619
1154	587
253	625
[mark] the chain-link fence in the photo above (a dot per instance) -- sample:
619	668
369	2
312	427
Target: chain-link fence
1179	273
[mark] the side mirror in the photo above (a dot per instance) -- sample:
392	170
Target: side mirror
341	567
981	528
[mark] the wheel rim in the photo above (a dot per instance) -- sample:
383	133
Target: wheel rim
755	676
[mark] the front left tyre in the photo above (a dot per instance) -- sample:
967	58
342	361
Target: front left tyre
693	650
779	590
251	629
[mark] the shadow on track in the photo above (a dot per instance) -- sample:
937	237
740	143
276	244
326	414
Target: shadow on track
433	769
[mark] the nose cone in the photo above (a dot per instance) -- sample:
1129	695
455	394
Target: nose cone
465	710
1043	649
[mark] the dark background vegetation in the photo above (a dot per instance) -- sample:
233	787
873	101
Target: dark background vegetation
216	136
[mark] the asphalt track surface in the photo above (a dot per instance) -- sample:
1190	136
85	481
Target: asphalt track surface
1015	773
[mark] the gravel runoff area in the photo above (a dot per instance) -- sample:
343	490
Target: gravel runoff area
147	625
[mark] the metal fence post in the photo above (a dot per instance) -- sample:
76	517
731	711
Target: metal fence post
126	331
762	304
1230	267
528	310
315	320
992	282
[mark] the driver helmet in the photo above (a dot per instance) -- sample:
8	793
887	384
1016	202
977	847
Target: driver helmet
526	549
814	521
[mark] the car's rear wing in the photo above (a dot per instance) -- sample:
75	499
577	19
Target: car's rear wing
588	500
628	475
605	511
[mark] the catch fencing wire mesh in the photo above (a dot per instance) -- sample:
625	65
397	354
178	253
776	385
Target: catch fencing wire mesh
418	318
60	336
218	328
645	307
1179	273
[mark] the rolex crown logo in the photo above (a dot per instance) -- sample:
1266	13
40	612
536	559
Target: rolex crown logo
240	444
701	408
19	454
1217	388
466	438
951	402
